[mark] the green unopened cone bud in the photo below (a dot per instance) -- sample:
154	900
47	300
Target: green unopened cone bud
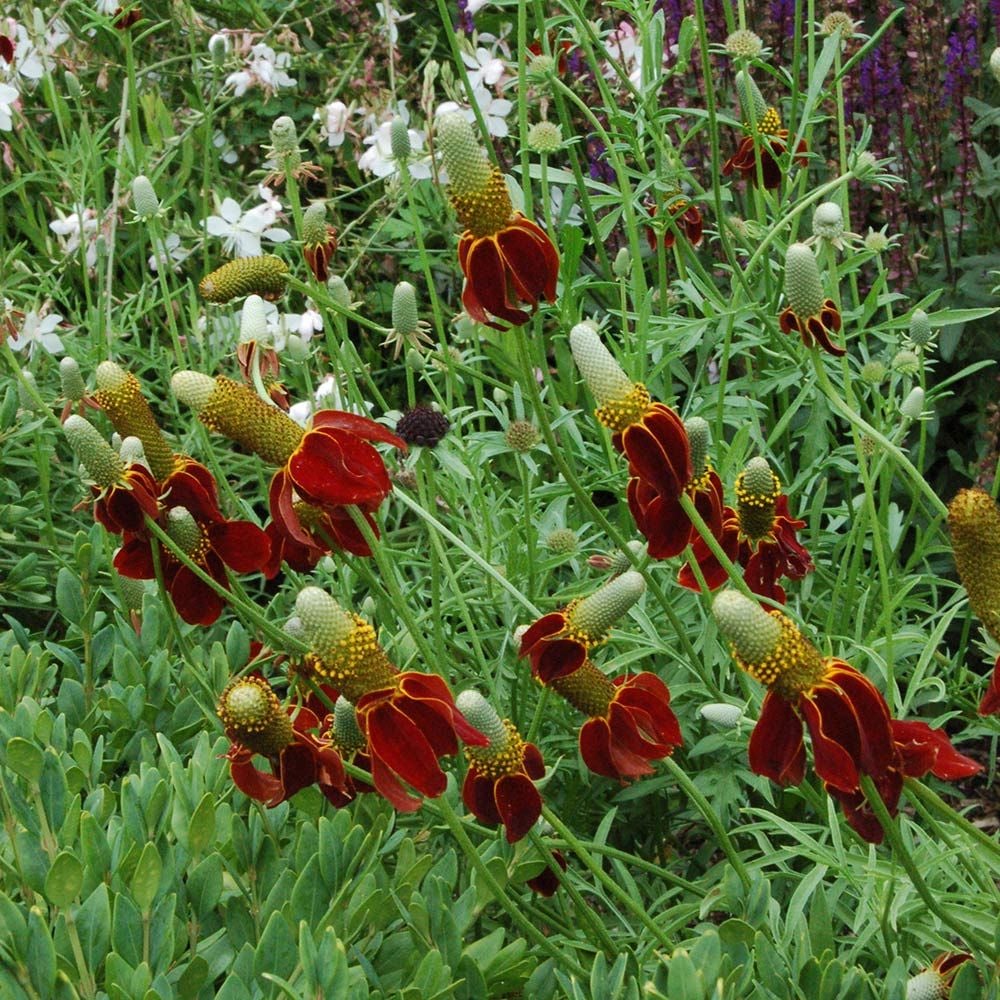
522	435
757	490
296	348
284	138
622	266
758	479
545	138
752	101
399	140
803	285
144	199
920	328
722	715
405	317
828	221
264	276
604	376
314	231
193	389
102	462
596	613
132	451
873	372
253	716
482	716
913	405
469	171
744	44
184	530
132	591
347	734
73	388
698	439
906	362
752	631
325	622
620	562
294	629
253	321
562	541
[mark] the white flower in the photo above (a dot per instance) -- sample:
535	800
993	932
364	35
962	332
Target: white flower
335	116
171	254
326	390
485	69
226	152
106	7
304	324
264	68
475	6
301	412
241	231
495	110
77	227
389	14
38	330
378	159
8	95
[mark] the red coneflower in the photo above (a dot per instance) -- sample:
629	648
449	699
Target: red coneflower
809	312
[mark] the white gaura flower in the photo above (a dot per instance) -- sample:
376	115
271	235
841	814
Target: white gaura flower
264	68
390	18
475	6
38	331
106	7
78	227
485	69
305	324
334	117
8	95
327	393
242	232
171	254
378	159
495	110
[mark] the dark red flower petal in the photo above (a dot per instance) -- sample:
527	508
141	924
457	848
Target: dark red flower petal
924	749
990	705
135	558
242	546
519	803
252	782
396	741
777	750
831	723
362	427
390	788
477	794
333	468
193	599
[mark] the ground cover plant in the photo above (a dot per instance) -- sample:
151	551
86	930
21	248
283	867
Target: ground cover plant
499	500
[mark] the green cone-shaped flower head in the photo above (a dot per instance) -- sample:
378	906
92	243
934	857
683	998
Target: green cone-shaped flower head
803	285
253	716
71	380
265	275
103	464
752	102
591	618
974	522
144	200
482	716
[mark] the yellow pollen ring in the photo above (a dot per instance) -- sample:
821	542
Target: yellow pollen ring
792	667
484	212
492	762
617	414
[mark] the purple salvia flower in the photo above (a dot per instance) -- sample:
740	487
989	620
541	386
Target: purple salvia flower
783	16
466	24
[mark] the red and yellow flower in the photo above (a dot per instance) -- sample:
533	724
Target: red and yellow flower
664	462
125	493
763	147
760	533
990	705
685	218
631	722
211	541
323	472
509	262
499	787
287	736
809	312
845	714
408	719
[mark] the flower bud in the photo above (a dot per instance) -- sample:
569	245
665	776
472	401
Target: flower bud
253	716
828	221
744	44
837	20
132	451
545	137
265	275
405	317
594	615
284	137
184	530
346	733
873	372
920	330
995	64
314	231
481	715
906	362
753	633
218	48
622	266
803	286
415	361
422	426
102	462
757	490
73	388
522	435
469	171
604	376
721	715
697	432
339	291
73	87
562	541
144	199
913	405
974	523
399	140
752	102
253	321
876	240
296	348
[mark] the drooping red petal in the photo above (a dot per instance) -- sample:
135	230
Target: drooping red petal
477	794
390	788
550	624
242	546
400	744
831	723
334	468
362	427
283	510
519	803
777	750
487	277
194	600
135	558
256	784
990	705
606	755
924	749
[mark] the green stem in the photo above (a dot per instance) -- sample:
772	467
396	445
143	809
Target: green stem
932	800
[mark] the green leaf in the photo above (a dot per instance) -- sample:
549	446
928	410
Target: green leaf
683	980
64	880
69	596
146	878
24	759
126	930
41	954
93	924
967	984
277	952
204	886
201	829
